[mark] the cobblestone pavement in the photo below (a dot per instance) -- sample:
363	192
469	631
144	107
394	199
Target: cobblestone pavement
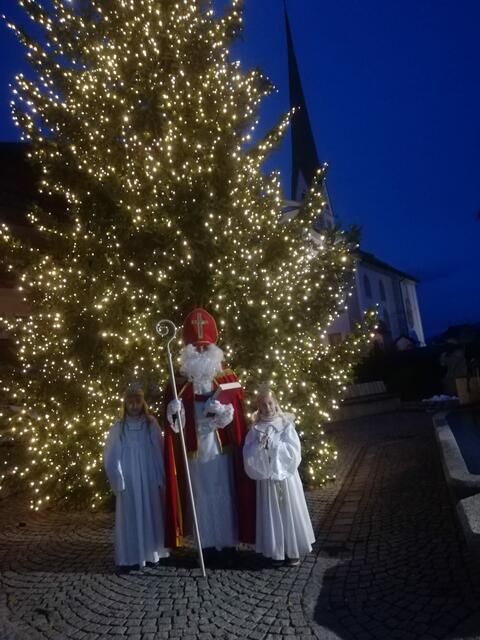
399	567
389	563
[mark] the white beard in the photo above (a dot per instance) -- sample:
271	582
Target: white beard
200	367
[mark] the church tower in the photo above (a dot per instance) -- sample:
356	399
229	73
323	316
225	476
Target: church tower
305	160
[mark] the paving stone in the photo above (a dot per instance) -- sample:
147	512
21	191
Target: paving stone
389	563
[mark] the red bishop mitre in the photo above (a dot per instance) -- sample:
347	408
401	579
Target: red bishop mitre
200	328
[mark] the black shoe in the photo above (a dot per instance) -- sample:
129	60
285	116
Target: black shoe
292	562
229	557
125	569
276	563
210	556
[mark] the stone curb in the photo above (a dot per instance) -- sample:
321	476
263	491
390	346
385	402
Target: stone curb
468	512
462	483
464	486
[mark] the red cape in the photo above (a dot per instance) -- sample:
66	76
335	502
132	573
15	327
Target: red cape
231	438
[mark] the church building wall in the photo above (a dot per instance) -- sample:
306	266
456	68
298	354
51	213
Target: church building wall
379	288
412	311
388	291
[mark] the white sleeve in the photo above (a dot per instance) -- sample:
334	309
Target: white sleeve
112	459
285	455
255	457
157	443
217	416
223	414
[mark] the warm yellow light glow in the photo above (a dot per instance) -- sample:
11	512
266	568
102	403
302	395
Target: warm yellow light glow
142	124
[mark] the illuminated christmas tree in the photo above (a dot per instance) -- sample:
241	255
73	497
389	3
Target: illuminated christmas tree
138	119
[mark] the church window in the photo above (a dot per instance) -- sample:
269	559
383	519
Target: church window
386	320
381	287
334	338
367	286
409	310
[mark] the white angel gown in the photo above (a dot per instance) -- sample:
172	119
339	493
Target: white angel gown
284	528
133	459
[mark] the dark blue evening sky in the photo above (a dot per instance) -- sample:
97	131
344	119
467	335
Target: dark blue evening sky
393	94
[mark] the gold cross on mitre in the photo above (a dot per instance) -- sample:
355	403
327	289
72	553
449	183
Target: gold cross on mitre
199	321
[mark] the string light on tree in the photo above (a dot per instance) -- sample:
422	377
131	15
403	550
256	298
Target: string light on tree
140	121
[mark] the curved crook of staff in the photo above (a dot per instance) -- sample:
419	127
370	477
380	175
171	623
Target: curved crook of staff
164	328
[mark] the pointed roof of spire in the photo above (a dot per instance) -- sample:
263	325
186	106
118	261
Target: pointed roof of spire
304	152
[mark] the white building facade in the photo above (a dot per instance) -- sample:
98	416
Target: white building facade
392	292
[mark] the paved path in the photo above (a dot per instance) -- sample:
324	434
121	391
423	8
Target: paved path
399	565
389	563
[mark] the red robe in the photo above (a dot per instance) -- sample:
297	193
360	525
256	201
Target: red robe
230	438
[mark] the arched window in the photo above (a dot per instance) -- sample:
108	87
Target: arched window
367	287
383	295
386	321
408	306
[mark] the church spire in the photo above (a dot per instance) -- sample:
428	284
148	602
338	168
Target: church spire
304	153
305	160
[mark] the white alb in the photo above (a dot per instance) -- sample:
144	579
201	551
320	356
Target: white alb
211	470
133	459
271	456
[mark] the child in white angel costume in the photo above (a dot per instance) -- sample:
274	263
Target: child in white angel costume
271	456
133	459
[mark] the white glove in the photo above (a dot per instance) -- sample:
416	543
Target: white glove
222	413
175	411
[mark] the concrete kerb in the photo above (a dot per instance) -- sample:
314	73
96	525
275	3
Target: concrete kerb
464	486
468	512
461	482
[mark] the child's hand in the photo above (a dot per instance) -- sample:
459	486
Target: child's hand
265	441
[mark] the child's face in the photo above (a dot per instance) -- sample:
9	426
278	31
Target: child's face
266	406
134	405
